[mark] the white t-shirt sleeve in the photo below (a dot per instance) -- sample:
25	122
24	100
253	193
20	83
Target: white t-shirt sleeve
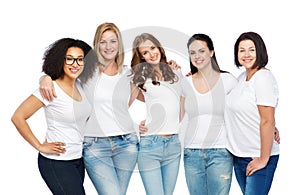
229	82
266	89
37	94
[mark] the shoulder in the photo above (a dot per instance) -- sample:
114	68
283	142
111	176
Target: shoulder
264	75
242	76
178	73
228	76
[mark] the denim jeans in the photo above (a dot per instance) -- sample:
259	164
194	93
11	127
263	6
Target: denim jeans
260	181
63	177
110	162
158	163
208	171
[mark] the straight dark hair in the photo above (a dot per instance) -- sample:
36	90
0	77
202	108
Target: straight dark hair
210	45
260	48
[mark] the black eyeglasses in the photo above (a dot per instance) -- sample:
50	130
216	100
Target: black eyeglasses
70	61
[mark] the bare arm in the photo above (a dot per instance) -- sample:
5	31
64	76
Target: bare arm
267	127
181	114
46	88
135	94
277	136
24	112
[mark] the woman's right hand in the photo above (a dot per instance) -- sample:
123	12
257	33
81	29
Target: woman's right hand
142	128
46	88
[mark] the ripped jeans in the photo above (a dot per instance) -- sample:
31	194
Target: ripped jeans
208	171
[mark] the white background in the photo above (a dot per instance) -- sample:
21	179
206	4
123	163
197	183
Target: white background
28	27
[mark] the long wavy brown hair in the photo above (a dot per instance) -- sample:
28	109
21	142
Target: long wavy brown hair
141	70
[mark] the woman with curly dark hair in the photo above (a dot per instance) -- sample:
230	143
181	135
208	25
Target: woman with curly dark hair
70	63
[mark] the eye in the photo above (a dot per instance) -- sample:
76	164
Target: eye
153	47
69	58
80	59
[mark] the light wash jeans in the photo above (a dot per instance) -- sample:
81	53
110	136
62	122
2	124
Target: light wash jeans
110	162
158	163
258	183
208	171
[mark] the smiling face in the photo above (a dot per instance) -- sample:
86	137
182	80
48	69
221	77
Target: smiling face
200	55
149	52
247	53
72	71
109	45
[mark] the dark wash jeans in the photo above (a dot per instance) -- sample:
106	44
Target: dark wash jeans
63	177
259	183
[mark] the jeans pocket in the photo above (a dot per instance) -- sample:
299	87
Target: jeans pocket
131	138
146	142
87	142
187	152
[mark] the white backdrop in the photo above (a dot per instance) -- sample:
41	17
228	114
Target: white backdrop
28	27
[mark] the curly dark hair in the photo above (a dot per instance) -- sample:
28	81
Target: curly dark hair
141	70
54	58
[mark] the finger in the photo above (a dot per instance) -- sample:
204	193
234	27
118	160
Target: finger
50	95
59	143
43	93
54	93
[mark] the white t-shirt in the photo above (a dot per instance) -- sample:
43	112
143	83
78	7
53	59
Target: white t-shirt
163	106
66	119
242	115
109	96
205	113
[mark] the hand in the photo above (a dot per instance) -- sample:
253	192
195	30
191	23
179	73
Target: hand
142	128
188	74
47	89
255	165
56	148
276	136
174	65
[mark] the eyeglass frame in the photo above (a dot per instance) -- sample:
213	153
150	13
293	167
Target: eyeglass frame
74	59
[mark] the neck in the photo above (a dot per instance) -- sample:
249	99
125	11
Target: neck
250	73
206	72
111	68
68	82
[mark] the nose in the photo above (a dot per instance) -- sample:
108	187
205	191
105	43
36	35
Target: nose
196	55
151	54
108	45
247	53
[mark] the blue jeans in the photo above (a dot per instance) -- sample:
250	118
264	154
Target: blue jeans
63	177
158	163
110	162
208	171
258	183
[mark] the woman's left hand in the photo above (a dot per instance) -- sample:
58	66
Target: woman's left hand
256	164
174	65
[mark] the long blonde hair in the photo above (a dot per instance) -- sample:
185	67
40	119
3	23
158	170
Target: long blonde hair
120	55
